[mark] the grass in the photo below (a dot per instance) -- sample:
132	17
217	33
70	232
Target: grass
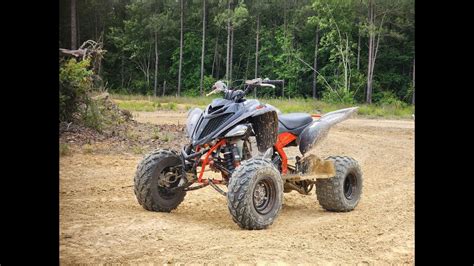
64	149
88	148
183	104
138	150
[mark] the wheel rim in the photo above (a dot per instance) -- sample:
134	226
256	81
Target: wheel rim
163	190
264	196
350	186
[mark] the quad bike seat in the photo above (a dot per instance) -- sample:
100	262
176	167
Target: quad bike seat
293	123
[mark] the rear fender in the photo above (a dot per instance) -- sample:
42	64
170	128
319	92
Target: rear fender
318	129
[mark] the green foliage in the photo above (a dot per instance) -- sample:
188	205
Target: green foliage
343	96
172	106
388	98
306	105
137	105
92	117
132	29
75	82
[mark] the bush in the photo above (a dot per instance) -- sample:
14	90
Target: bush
389	98
75	81
340	96
92	117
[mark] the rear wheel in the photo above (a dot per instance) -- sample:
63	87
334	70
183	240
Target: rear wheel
156	174
341	193
255	194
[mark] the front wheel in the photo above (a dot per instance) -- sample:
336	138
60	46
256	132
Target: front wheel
156	174
255	194
340	193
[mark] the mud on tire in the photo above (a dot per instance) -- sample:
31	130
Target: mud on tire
255	194
149	171
340	193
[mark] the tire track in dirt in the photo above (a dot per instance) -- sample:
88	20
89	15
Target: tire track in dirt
101	221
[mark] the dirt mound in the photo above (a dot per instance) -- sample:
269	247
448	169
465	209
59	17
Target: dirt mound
120	132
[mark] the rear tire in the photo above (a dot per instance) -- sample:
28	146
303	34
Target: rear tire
151	169
340	193
255	194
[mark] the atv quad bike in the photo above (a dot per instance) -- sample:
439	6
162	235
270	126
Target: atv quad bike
221	137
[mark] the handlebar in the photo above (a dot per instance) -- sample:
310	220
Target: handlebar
220	86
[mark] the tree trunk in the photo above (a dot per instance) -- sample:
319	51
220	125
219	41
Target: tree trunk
180	51
358	51
315	64
203	44
256	52
122	65
285	9
156	63
218	65
164	88
214	60
73	26
148	63
247	66
231	53
228	43
371	49
95	25
413	98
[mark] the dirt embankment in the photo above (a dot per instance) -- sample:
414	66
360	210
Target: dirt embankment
101	221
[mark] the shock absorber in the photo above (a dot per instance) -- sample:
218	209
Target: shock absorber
231	156
228	158
236	155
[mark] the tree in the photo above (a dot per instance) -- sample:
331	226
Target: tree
158	26
337	43
413	98
73	26
354	50
375	32
234	18
180	50
315	63
203	44
256	51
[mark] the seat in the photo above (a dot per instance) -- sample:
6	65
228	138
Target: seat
294	120
293	123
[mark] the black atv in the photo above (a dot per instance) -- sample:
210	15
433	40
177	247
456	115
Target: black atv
221	137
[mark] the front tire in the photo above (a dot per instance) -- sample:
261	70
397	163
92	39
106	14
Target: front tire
341	193
255	194
150	190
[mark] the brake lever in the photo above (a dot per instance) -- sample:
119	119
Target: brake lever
267	85
216	90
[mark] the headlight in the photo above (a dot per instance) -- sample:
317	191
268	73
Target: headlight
239	130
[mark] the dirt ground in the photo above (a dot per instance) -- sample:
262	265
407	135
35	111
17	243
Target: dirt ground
102	222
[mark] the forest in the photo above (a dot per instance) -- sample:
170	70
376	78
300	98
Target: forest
343	51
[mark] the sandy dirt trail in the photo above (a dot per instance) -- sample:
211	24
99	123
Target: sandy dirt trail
101	221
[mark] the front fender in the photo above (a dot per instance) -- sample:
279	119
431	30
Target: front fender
265	126
318	129
193	117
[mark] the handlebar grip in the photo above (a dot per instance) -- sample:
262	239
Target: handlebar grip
274	82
